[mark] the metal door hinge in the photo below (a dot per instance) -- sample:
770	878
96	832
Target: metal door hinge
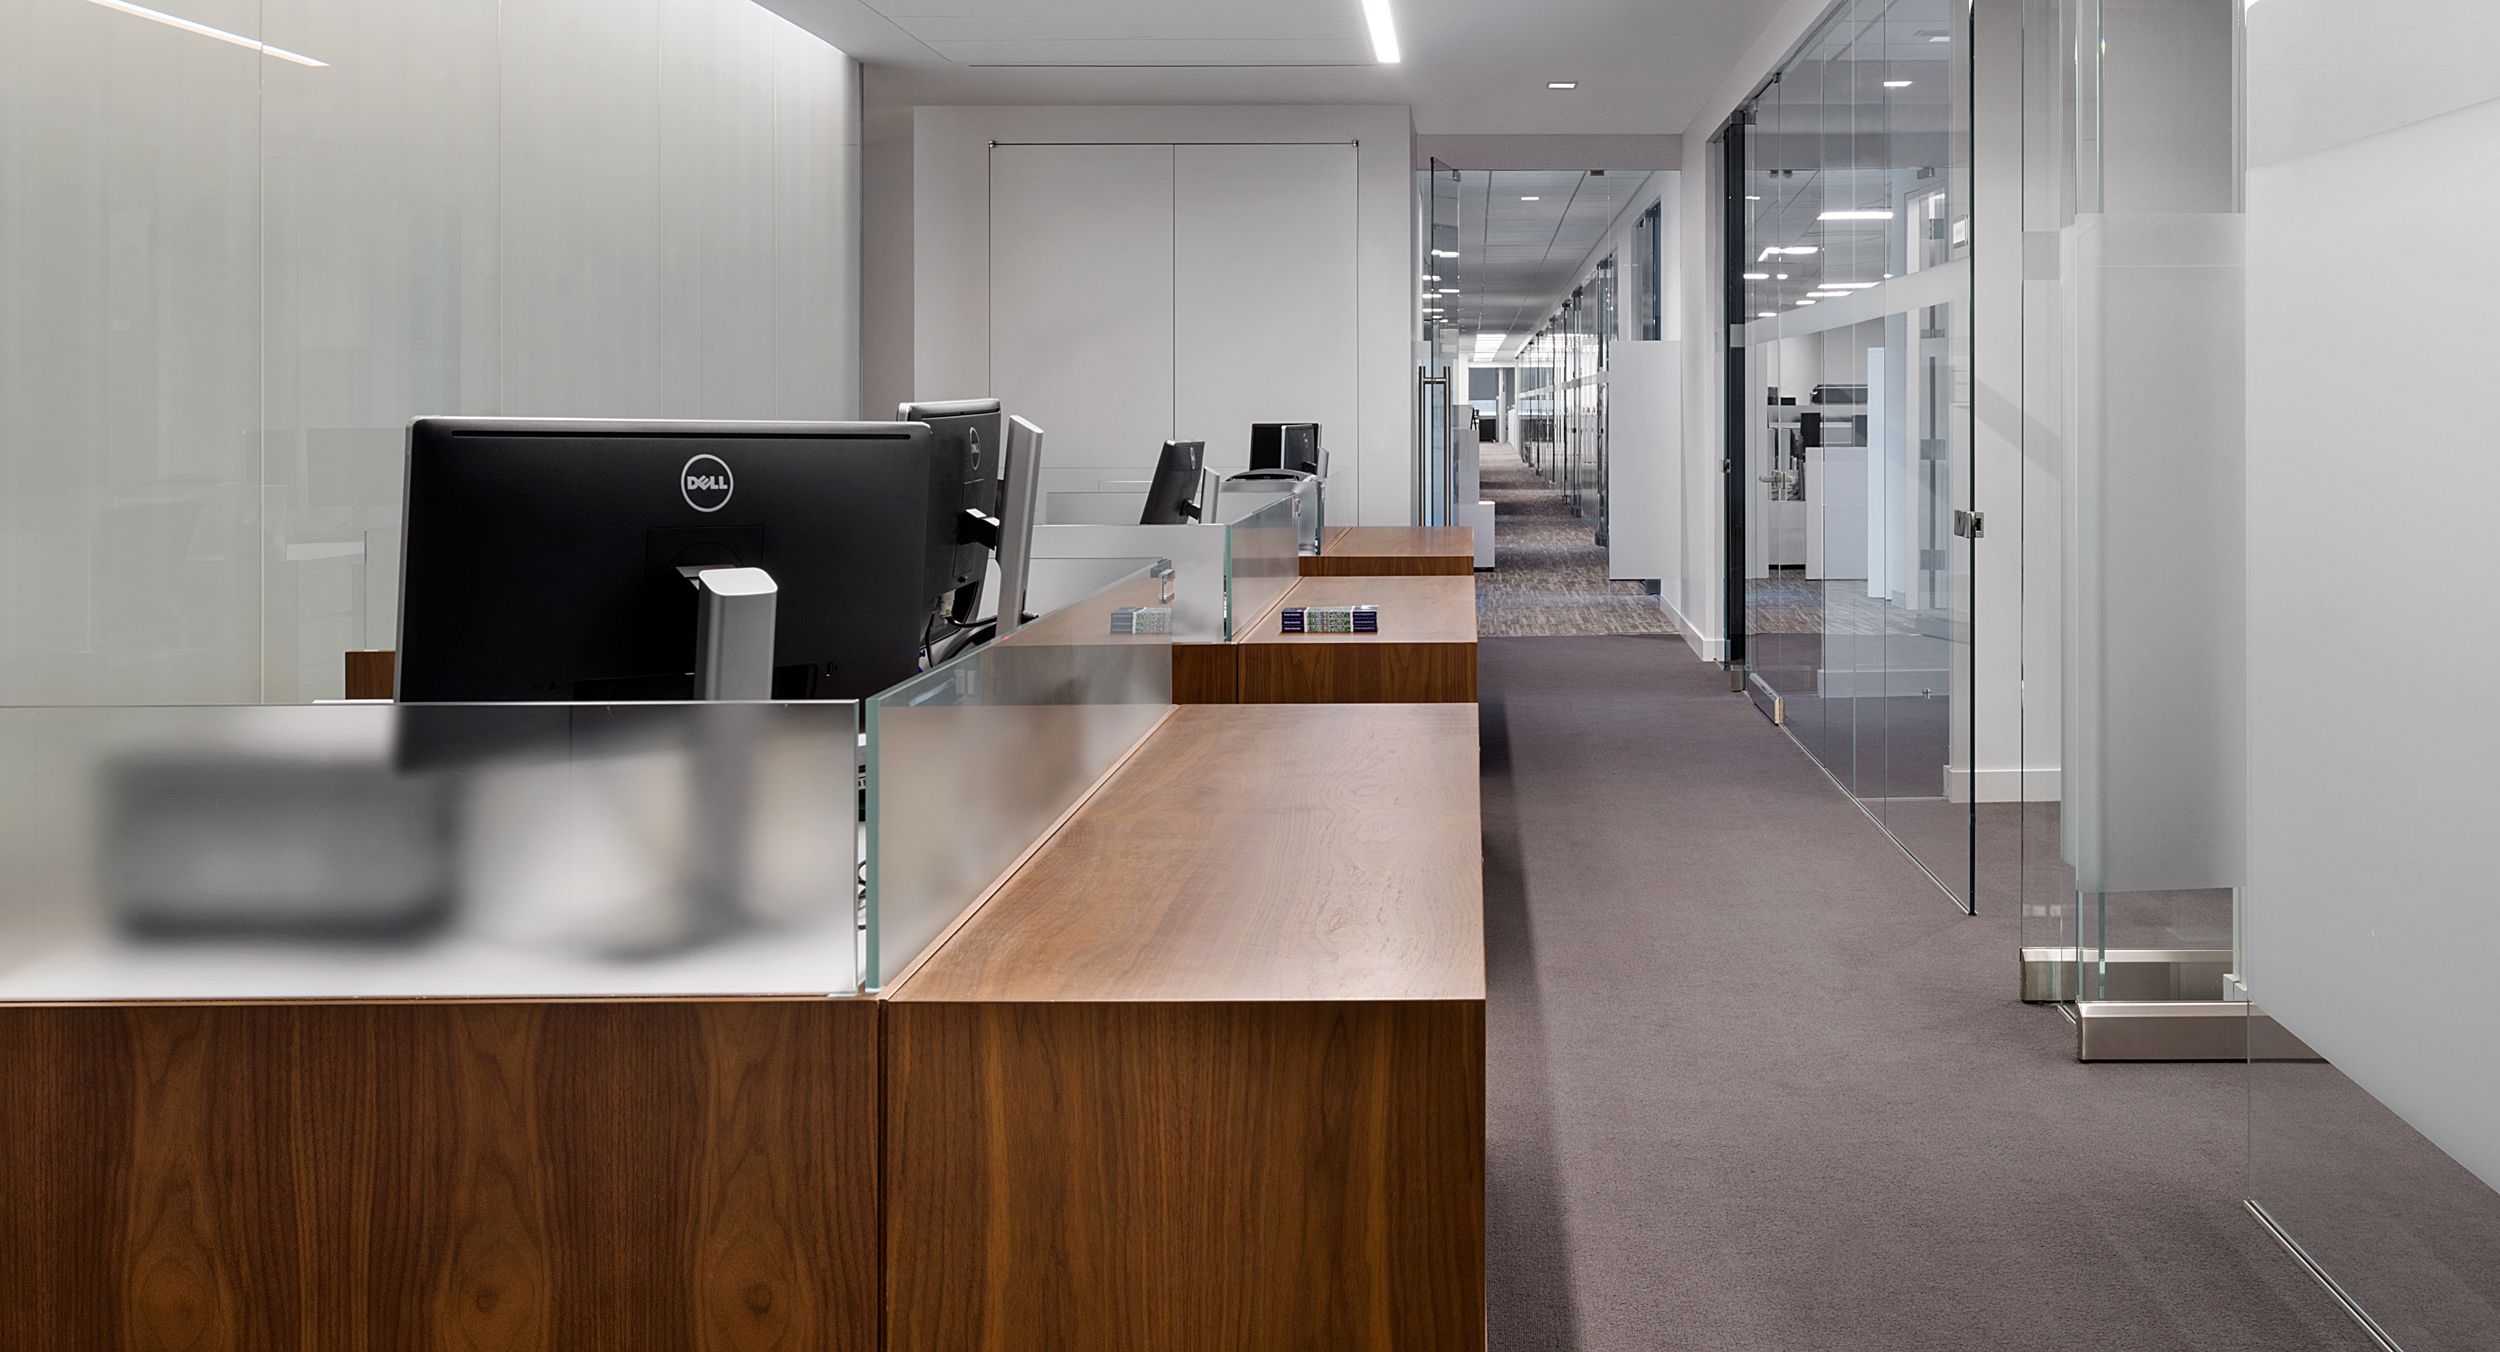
1970	525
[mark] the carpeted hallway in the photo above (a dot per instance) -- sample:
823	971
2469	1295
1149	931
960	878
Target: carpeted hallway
1755	1084
1549	573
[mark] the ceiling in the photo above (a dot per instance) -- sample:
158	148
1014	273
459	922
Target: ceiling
1471	66
1518	258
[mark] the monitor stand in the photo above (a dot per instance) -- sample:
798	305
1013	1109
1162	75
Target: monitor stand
733	632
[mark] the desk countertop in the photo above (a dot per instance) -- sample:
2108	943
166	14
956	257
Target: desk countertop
1412	609
1401	541
1250	852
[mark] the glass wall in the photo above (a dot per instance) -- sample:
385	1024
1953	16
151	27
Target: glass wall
233	273
1849	312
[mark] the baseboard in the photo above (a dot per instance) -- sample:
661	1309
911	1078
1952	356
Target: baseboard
1706	648
2004	784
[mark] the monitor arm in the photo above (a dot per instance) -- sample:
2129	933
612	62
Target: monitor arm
733	632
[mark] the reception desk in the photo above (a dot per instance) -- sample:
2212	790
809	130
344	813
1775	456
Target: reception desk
1164	1029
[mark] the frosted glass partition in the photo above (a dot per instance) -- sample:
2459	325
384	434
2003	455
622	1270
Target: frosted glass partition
970	763
1262	558
379	850
231	278
2135	434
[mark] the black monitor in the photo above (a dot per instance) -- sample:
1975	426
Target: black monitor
1172	499
971	437
554	559
1287	446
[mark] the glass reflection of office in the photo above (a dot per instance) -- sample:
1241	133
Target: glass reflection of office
1850	325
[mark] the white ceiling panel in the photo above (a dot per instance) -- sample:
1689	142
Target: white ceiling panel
1471	66
1171	52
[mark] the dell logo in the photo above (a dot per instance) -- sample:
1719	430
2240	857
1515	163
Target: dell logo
706	482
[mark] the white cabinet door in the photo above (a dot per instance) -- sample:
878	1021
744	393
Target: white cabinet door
1264	321
1081	298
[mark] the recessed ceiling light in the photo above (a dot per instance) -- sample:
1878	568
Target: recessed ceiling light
1767	314
1531	199
1757	276
1896	84
1751	198
1948	37
1805	302
1849	286
1562	84
1781	275
221	35
1445	253
1827	295
1384	31
1857	216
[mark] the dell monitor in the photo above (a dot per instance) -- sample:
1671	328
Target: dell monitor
575	559
1293	447
971	436
1172	498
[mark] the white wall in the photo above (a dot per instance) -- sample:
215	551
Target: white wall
232	280
2369	895
951	251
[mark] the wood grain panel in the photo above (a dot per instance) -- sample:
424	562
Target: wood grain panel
1147	1177
1245	852
1381	672
372	673
1205	673
1395	551
506	1175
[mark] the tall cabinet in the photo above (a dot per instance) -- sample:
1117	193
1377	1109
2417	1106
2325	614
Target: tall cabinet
1140	292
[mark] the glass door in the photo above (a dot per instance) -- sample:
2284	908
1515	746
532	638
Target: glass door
1436	470
1850	484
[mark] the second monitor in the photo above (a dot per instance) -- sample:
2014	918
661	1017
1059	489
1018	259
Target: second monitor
1293	447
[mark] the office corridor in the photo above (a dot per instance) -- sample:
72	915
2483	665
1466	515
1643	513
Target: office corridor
1756	1086
1549	574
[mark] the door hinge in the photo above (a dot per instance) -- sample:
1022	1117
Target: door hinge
1970	525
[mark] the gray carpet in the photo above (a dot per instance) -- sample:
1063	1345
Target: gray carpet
1756	1084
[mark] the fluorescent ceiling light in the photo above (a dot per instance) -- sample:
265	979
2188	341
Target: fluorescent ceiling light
1896	84
248	44
1948	37
1805	302
1774	251
1531	199
1768	314
1849	286
1857	216
1562	84
1828	295
1446	291
1757	276
1445	253
1384	31
1751	198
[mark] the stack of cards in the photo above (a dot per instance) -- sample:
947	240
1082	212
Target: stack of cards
1142	620
1332	619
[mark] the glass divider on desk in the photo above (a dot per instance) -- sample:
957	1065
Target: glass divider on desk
1262	559
372	850
971	762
